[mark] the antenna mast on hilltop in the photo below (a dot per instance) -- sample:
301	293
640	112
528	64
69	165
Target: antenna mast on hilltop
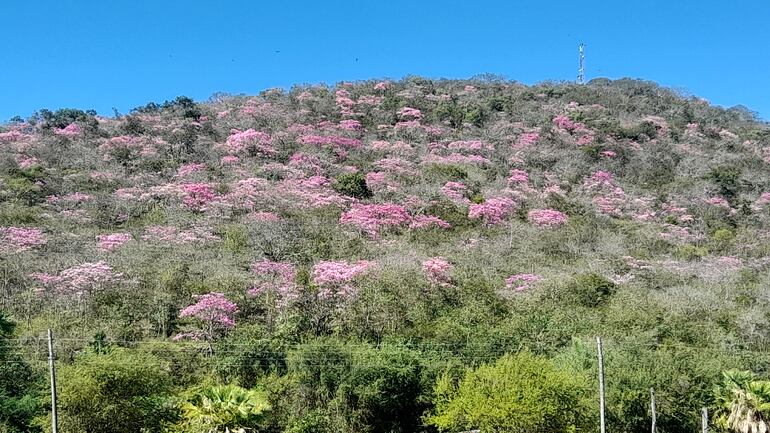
582	69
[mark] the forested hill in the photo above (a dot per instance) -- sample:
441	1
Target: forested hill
411	256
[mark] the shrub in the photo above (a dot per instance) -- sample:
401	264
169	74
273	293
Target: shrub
590	290
352	185
519	393
120	391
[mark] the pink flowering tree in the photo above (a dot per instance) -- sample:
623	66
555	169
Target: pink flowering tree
335	279
437	270
275	282
546	218
214	313
373	219
521	282
493	211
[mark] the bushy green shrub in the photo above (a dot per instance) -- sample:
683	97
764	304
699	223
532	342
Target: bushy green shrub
590	290
352	185
519	393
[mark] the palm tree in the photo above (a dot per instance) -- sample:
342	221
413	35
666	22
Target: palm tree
224	408
744	403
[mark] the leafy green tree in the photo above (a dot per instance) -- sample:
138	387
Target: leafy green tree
518	393
18	404
223	408
120	391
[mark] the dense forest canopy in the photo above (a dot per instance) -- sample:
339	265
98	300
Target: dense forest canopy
388	256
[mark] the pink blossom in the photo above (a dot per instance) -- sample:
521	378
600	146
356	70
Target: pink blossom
382	85
527	139
112	241
197	195
278	278
10	136
19	239
547	218
373	218
350	125
187	169
493	211
409	112
229	160
608	153
86	278
251	142
437	271
214	309
70	131
518	177
331	140
174	235
521	282
425	221
456	192
334	278
26	161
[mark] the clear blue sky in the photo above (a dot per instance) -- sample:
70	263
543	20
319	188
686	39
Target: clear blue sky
124	53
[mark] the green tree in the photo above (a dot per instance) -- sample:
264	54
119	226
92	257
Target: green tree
17	385
120	391
518	393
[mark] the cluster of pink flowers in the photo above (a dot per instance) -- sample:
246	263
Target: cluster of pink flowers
521	282
26	161
547	218
761	202
334	278
437	270
455	158
378	181
350	125
174	235
187	169
331	140
250	142
518	177
564	122
470	146
527	139
409	112
113	241
427	221
372	219
456	192
382	85
18	239
197	195
10	136
275	277
84	279
214	309
493	211
70	131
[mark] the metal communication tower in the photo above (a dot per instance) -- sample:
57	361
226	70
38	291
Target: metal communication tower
582	69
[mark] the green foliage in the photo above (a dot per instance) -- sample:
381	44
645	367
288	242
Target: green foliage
220	408
18	385
743	402
727	179
352	184
120	391
518	393
590	290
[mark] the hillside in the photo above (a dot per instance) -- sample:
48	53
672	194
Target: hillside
352	252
